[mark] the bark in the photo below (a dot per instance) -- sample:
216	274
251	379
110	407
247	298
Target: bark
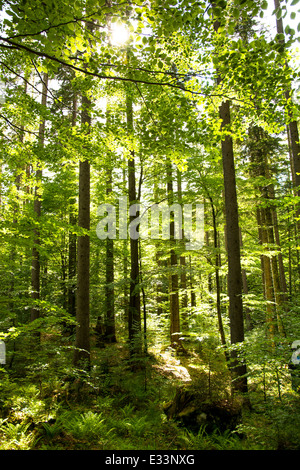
82	341
182	260
274	268
234	278
267	276
217	277
72	269
134	313
35	266
125	267
72	242
283	284
233	252
266	216
173	280
245	291
110	330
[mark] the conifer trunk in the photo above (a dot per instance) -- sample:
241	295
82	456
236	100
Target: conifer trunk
217	278
110	330
82	341
72	241
234	278
173	280
134	313
35	266
233	252
182	260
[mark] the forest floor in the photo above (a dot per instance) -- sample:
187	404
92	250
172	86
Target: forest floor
114	408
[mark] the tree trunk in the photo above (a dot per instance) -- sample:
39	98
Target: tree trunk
110	330
267	276
35	267
72	242
82	342
260	168
173	281
233	252
134	313
217	277
193	293
245	291
182	259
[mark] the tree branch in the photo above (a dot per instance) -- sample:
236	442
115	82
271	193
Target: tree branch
15	45
14	126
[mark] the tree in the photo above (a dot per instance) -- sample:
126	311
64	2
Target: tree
233	245
82	342
173	281
35	269
134	312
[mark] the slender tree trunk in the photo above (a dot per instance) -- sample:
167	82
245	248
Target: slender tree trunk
283	284
182	259
173	281
192	287
210	261
72	269
125	264
134	313
35	267
234	278
274	268
110	330
82	341
217	277
260	168
267	276
245	291
72	242
233	250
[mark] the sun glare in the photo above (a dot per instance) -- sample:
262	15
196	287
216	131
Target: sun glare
119	34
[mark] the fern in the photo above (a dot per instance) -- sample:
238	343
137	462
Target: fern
88	425
16	436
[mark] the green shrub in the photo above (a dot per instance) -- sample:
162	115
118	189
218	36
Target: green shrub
89	425
16	436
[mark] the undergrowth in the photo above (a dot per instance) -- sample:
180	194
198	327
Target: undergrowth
113	408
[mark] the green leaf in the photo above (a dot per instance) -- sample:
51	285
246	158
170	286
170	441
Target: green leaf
294	2
236	13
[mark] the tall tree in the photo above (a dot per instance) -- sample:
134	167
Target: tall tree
35	267
173	283
82	341
238	368
109	322
134	313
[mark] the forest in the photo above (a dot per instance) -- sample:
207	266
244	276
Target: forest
149	225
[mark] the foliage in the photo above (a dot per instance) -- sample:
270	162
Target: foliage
154	103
